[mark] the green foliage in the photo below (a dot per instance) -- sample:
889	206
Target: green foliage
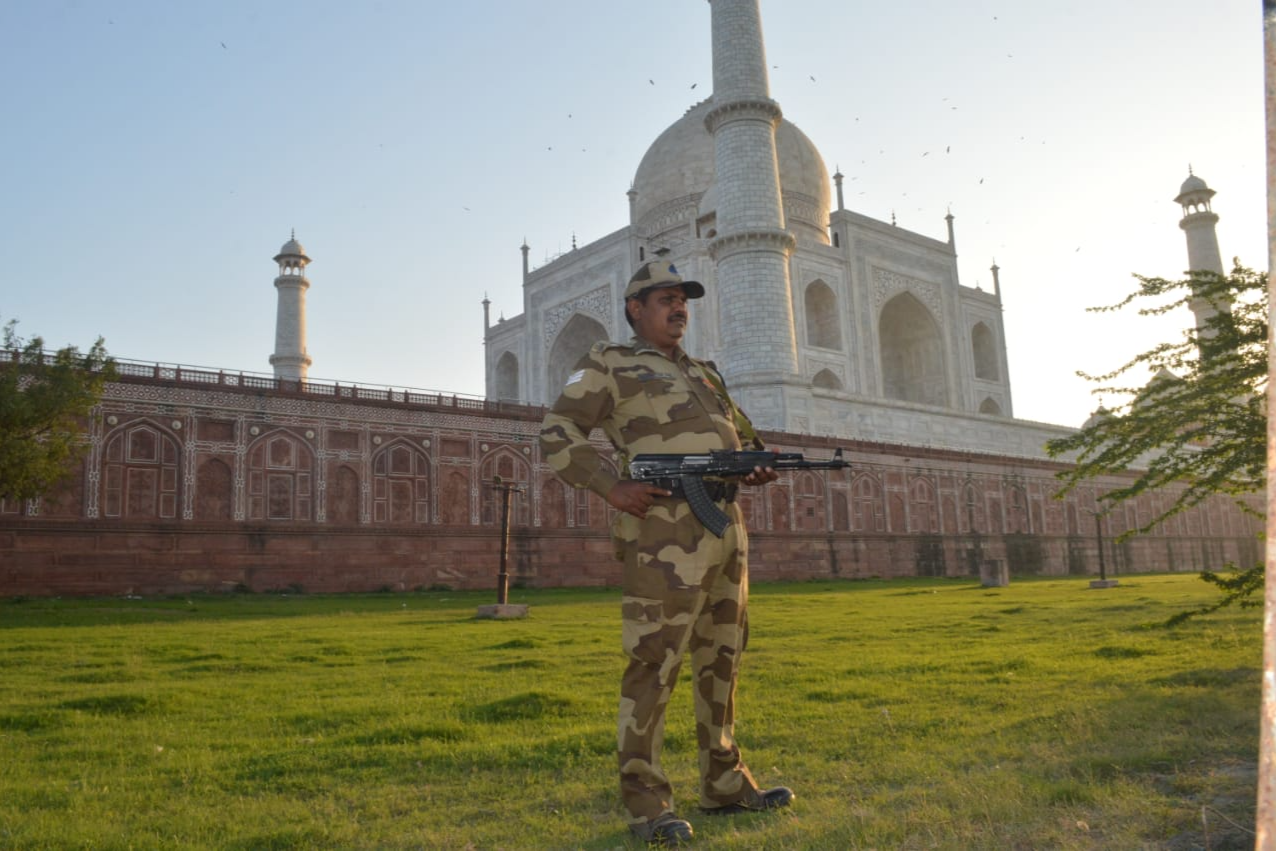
1240	586
1200	423
907	714
1201	420
45	400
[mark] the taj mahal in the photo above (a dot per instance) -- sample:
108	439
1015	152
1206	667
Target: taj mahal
824	321
831	328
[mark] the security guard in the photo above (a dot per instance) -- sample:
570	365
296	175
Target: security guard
684	588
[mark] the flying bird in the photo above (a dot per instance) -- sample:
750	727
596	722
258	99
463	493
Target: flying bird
693	85
223	44
812	78
649	80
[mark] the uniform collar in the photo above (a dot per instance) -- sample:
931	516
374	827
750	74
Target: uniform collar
641	345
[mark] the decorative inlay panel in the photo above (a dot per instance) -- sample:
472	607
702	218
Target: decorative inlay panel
887	285
596	304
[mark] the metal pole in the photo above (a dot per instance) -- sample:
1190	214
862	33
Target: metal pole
1098	536
503	579
1265	826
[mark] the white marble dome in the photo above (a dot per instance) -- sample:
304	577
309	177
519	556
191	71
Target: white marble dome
292	248
1192	184
677	173
1193	189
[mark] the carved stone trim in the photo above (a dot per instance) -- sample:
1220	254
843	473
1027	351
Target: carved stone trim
804	208
887	285
596	304
745	109
816	365
757	239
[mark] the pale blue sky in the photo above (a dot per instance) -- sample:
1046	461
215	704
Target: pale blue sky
157	154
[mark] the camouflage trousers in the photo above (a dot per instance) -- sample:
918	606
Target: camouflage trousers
684	589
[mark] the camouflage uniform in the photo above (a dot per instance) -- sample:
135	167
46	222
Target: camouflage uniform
683	587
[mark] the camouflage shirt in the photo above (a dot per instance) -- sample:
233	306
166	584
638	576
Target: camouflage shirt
644	401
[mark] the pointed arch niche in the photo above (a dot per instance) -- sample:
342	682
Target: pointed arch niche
507	378
825	379
984	348
280	478
400	485
140	473
511	468
912	353
570	345
823	319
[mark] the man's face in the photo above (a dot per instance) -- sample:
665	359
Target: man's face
660	319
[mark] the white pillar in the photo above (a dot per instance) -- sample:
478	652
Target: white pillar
1198	224
290	360
752	249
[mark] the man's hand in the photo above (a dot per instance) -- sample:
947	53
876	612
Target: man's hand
760	476
635	497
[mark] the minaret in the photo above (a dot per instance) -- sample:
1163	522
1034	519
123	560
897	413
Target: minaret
1202	239
290	359
752	249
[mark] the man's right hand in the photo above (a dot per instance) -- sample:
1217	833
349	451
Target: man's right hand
635	497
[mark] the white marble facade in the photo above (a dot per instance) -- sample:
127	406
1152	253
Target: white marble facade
889	346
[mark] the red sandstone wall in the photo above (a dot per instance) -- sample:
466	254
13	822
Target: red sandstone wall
197	489
58	558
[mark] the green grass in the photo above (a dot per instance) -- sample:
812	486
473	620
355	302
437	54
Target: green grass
906	715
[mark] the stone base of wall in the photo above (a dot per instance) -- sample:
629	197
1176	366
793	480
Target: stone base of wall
43	559
51	558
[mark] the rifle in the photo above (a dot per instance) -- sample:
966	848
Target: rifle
685	475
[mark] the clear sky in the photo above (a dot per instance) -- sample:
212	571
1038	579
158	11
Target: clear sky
154	156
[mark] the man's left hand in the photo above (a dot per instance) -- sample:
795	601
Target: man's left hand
760	476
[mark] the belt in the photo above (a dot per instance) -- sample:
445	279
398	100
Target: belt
717	491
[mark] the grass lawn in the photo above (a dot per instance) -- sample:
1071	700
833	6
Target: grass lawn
905	714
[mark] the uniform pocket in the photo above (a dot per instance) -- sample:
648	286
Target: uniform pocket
642	622
624	531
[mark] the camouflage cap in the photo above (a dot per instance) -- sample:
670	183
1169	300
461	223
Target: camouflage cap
660	273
